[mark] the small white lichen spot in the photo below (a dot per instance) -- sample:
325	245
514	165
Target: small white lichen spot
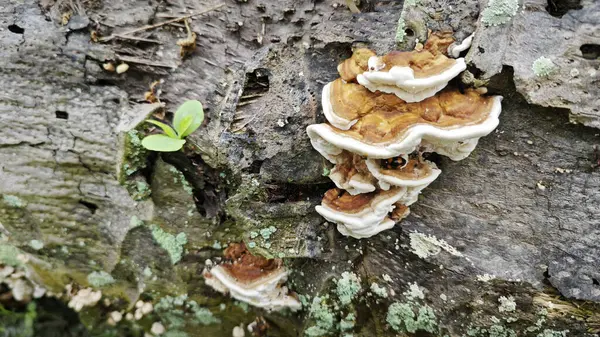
427	245
238	331
36	244
414	292
157	329
116	316
378	290
507	304
443	297
386	278
543	66
499	12
485	277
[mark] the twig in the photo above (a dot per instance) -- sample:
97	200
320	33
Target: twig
135	38
128	59
160	24
352	6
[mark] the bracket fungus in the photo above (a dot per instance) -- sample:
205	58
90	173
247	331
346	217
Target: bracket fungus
252	279
382	114
410	75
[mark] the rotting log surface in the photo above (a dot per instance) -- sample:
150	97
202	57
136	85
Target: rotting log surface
524	207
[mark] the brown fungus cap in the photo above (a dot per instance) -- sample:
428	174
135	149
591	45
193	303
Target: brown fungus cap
356	64
449	109
439	41
246	267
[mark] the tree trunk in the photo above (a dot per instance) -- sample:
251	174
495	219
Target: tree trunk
504	243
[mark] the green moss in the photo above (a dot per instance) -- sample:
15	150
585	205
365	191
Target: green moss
499	12
134	155
36	244
99	279
13	201
169	242
402	316
347	287
543	66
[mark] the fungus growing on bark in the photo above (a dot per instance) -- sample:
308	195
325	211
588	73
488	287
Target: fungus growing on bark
379	127
449	123
252	279
412	76
367	214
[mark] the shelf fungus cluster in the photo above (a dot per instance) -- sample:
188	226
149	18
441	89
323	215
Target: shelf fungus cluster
383	113
252	279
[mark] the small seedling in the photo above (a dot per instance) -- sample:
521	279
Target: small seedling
187	119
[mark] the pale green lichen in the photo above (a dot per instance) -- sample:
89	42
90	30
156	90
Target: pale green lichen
169	242
9	255
400	33
251	244
140	190
414	292
543	66
267	232
253	235
147	272
348	322
411	3
378	290
323	315
217	245
99	279
428	245
176	312
134	221
181	178
13	201
499	12
553	333
507	304
500	331
36	244
401	316
347	287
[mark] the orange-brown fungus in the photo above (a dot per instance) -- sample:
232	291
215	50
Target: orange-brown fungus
424	63
351	101
247	267
447	109
357	64
342	201
438	42
400	212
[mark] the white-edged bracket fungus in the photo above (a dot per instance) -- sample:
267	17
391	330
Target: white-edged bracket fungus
252	279
412	76
379	127
455	49
364	215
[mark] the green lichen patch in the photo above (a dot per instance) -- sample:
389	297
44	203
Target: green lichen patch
401	316
134	155
36	244
266	232
323	315
348	322
379	290
179	177
400	33
169	242
507	304
99	279
553	333
414	292
499	12
543	66
347	287
13	201
178	314
9	255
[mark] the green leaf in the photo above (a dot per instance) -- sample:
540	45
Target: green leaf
185	124
189	108
167	129
162	143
